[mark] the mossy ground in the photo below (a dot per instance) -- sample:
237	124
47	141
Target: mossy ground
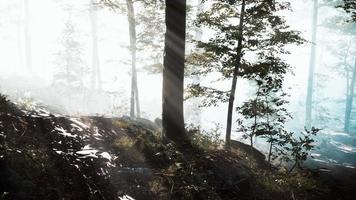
38	161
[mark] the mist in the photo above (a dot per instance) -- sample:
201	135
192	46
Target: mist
74	59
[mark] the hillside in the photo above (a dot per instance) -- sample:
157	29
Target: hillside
43	156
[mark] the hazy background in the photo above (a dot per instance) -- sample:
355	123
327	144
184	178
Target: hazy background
47	19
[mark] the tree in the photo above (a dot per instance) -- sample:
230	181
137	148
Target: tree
297	149
234	77
151	35
350	99
132	31
343	49
247	33
148	38
96	82
350	7
344	65
312	63
265	114
173	71
71	65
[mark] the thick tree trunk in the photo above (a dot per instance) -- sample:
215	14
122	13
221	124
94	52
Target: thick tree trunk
96	75
312	63
350	98
134	88
173	71
28	48
234	79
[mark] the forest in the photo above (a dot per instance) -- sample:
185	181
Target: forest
178	99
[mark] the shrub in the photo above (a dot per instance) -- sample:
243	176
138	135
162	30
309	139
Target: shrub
297	149
205	139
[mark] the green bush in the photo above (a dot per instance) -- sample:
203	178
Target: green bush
209	140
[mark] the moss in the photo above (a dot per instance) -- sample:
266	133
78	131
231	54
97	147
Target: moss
301	185
121	124
123	143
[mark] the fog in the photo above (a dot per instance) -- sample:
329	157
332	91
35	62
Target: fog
47	21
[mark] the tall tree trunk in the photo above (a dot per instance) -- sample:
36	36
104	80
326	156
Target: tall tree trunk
137	100
347	95
134	88
255	119
234	79
270	134
96	75
312	63
173	71
346	117
28	48
350	100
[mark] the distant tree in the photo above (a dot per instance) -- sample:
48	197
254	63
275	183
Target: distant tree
350	7
350	104
71	65
312	65
150	38
146	29
173	71
134	103
247	33
344	51
323	117
128	7
96	82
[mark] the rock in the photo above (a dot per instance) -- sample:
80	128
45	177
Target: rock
258	157
147	124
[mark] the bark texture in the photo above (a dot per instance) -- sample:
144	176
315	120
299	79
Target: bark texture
173	71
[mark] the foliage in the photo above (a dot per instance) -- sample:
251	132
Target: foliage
265	36
27	103
3	100
286	186
151	35
205	139
264	115
343	50
150	28
350	7
71	65
297	149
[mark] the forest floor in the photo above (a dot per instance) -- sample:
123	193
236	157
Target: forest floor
43	156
